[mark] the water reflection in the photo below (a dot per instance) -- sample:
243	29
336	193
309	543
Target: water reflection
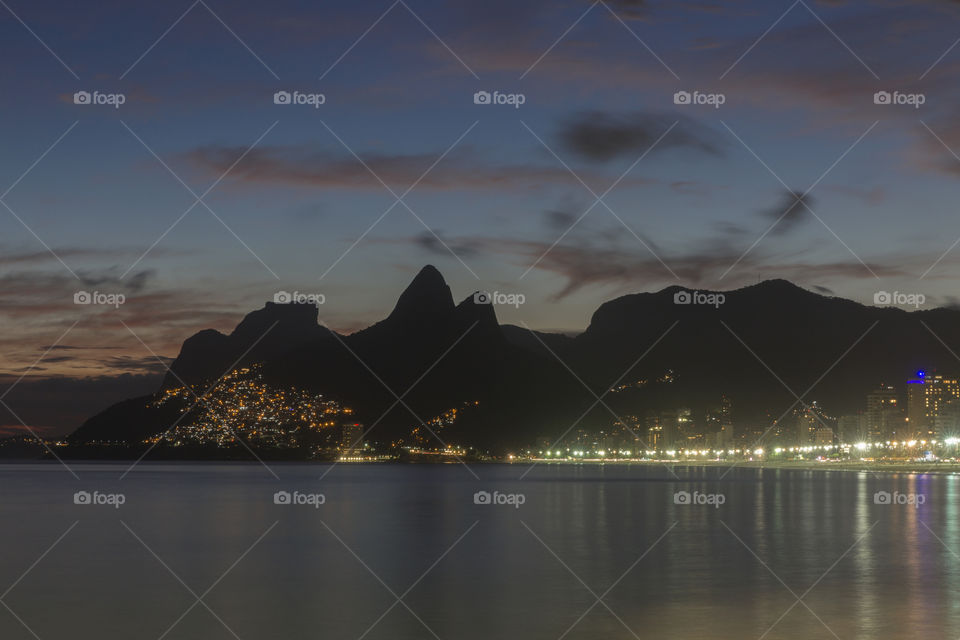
728	570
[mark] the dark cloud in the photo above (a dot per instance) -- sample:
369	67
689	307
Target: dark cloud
559	220
436	244
614	260
729	229
789	211
11	256
134	283
36	291
827	291
587	265
601	136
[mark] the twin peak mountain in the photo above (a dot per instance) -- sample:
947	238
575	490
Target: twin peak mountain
431	354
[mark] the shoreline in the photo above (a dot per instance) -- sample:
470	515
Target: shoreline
917	468
925	468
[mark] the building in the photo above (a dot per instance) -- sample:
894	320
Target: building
654	431
351	441
947	423
719	425
884	418
853	428
806	427
823	435
669	428
808	421
927	398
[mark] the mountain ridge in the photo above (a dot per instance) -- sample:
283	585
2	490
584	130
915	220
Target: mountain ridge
430	354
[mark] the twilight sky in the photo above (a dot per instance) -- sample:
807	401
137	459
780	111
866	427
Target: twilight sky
596	186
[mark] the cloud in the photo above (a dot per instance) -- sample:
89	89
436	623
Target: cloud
608	259
309	166
30	292
40	305
10	257
559	220
588	265
601	136
789	212
435	243
630	9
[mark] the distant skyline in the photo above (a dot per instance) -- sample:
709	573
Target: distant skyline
799	174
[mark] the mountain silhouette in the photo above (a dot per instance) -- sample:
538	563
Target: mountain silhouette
760	346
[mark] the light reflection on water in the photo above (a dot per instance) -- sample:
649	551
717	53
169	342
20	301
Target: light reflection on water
790	553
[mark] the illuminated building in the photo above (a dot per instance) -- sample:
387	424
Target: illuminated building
884	416
654	431
853	428
808	421
669	426
806	427
823	435
927	397
351	438
947	422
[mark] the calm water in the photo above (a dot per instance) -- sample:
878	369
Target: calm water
463	570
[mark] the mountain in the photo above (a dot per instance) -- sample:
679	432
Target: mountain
764	343
262	335
757	345
427	356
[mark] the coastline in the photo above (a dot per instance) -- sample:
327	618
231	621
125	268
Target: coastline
912	468
919	468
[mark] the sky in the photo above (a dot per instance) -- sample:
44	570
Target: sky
588	174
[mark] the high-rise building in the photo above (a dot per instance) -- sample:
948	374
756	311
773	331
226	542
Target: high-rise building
947	423
655	435
927	397
718	427
806	427
808	420
853	428
351	439
884	417
823	435
675	427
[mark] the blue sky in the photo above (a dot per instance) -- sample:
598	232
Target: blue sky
697	189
